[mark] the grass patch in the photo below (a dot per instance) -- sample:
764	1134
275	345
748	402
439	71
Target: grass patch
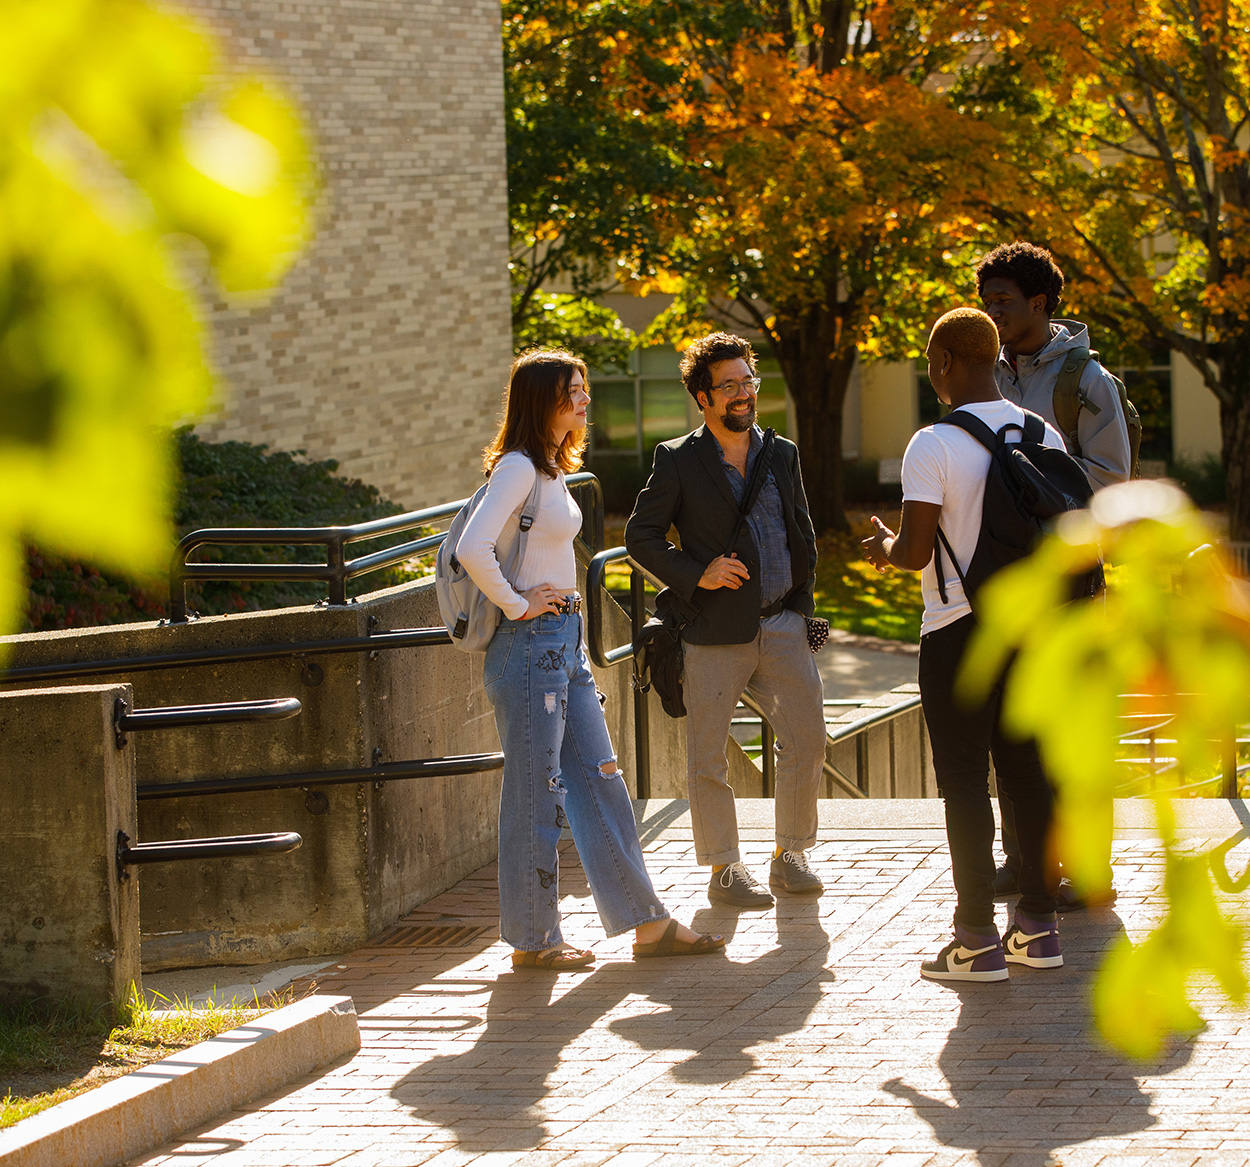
51	1051
852	595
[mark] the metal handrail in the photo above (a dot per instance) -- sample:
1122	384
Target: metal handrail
177	716
385	772
397	638
338	570
221	847
607	657
875	718
847	785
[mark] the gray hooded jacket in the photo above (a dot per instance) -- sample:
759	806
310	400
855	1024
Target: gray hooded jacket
1103	434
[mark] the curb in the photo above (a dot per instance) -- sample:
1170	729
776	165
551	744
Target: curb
133	1114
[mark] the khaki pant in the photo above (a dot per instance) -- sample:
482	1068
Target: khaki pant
779	670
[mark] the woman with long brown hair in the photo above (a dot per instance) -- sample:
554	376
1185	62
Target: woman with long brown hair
559	766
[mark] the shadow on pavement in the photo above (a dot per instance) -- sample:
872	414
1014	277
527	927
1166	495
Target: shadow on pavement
1057	1086
492	1095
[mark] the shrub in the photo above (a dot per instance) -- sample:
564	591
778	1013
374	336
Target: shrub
222	484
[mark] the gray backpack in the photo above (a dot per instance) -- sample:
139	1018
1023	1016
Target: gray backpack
470	617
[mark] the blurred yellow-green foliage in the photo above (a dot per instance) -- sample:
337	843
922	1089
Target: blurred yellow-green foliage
1172	637
118	145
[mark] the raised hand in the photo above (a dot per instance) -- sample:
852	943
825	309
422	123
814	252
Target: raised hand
875	550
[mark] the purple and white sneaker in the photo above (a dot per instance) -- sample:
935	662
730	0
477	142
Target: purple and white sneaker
971	956
1033	942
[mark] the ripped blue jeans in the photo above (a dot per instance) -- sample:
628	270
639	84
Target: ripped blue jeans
555	743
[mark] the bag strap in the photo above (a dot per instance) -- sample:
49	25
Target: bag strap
937	563
1034	428
1067	398
759	475
965	421
525	515
529	508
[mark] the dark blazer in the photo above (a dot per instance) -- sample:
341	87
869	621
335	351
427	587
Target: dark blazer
688	489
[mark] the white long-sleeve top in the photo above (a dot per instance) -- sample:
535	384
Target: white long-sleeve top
549	554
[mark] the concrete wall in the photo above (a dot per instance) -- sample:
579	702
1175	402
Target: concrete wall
890	760
388	345
371	853
68	927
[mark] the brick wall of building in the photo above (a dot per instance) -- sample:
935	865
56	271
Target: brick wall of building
387	346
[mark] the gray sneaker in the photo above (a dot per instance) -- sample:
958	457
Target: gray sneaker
736	886
790	872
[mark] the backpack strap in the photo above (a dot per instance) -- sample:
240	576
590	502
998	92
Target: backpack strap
1067	398
529	508
524	515
1034	428
938	544
965	421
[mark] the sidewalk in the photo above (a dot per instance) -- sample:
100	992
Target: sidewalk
813	1040
864	667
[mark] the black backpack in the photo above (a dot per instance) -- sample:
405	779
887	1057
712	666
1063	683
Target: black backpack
1028	485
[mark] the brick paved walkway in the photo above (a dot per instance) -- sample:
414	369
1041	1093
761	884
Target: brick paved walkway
812	1041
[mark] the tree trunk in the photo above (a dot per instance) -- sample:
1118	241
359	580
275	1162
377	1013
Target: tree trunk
818	369
1235	446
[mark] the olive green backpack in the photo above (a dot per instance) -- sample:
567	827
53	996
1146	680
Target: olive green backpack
1068	400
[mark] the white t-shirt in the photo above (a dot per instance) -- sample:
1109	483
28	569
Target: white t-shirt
549	554
946	466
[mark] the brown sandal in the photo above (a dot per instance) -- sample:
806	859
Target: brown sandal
669	945
554	959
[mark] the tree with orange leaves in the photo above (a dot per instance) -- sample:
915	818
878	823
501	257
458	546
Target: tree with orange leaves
1137	168
844	150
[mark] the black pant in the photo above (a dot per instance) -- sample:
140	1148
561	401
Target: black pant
963	740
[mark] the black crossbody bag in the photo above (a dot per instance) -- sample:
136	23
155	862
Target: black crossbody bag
657	648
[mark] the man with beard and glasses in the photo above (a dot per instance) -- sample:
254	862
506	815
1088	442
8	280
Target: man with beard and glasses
744	590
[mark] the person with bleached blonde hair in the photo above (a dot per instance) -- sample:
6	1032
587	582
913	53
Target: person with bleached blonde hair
944	482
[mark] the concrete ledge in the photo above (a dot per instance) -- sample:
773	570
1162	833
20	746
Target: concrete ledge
131	1115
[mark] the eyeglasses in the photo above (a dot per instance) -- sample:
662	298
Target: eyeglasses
733	389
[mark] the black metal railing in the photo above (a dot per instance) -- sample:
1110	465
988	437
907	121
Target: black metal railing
338	570
372	642
221	847
452	765
604	657
126	719
1146	732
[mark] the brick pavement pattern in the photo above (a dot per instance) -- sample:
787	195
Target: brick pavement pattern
813	1040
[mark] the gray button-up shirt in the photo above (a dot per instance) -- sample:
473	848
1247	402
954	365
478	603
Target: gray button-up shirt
767	522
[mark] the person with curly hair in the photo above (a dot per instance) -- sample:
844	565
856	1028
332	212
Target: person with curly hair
1020	286
744	593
